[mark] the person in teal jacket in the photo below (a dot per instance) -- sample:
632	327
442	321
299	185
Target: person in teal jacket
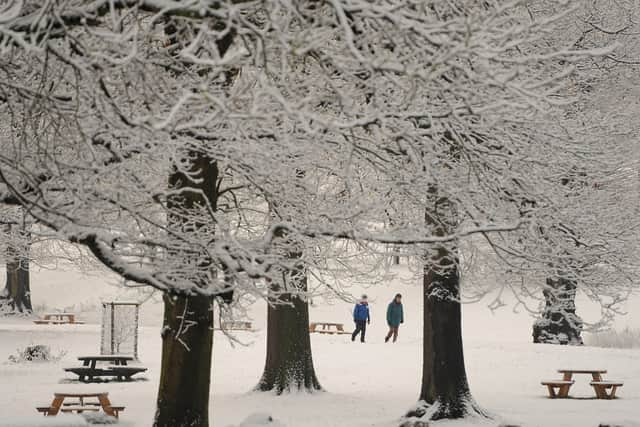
395	316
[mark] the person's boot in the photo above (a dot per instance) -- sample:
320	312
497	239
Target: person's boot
386	339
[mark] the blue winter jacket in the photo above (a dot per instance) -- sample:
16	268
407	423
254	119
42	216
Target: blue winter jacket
361	312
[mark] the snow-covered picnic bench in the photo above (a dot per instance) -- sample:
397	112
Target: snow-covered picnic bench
58	319
119	370
81	402
237	325
599	385
327	328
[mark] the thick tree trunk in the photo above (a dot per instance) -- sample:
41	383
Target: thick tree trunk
187	340
289	364
187	334
445	391
16	296
559	323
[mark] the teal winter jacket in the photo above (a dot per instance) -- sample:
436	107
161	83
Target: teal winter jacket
395	314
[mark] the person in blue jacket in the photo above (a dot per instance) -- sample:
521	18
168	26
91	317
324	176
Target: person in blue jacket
361	317
395	316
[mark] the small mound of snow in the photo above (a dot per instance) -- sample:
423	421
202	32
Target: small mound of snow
40	421
99	418
259	420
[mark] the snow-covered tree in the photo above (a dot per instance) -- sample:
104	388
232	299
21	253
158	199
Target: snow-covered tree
158	133
16	295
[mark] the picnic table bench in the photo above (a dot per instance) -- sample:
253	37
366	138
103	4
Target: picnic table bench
58	319
80	405
327	328
599	385
119	370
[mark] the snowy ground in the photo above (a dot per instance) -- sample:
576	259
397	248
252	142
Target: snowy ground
367	384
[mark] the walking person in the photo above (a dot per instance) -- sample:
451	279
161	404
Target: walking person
395	316
361	317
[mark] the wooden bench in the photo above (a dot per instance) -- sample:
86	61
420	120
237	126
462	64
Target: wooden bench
80	409
563	387
327	328
601	388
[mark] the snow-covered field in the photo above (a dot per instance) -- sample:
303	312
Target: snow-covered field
370	384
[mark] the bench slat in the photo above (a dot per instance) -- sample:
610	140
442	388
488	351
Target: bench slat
558	382
79	408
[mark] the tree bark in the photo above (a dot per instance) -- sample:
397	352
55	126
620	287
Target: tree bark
445	391
183	394
559	323
187	340
16	296
187	334
289	363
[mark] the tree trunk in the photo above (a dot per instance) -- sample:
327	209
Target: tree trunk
16	296
289	364
559	323
445	391
187	340
187	334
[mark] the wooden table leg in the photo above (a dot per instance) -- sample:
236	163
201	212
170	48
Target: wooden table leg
56	403
564	391
552	391
596	376
567	376
613	392
106	405
600	394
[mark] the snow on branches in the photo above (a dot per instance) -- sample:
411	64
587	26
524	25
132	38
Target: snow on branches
161	134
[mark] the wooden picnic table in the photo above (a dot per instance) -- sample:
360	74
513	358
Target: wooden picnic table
82	402
237	325
327	328
117	359
121	371
58	319
599	385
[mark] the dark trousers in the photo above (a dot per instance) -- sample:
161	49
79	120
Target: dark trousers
393	332
361	327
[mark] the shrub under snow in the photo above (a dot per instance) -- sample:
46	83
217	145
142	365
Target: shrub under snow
626	338
36	353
